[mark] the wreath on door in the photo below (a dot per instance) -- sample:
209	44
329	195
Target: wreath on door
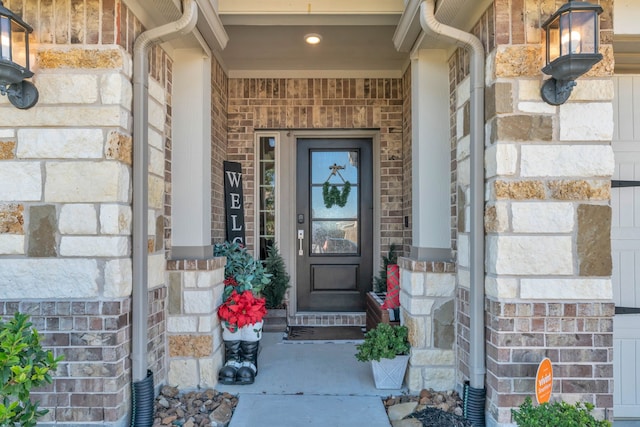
330	193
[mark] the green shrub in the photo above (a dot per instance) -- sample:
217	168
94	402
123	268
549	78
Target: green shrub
556	414
23	366
383	342
274	291
247	272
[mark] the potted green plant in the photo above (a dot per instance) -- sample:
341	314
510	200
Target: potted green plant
274	292
24	364
387	348
556	414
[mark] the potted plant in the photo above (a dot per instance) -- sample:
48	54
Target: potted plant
241	313
24	364
387	348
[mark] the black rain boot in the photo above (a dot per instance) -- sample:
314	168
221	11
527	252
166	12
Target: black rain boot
227	374
249	355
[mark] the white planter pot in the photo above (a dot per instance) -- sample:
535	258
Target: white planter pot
389	373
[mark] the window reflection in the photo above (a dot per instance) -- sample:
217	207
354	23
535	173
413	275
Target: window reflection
334	237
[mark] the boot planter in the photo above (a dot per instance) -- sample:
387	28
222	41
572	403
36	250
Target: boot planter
241	354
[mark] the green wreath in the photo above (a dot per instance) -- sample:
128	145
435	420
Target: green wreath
333	196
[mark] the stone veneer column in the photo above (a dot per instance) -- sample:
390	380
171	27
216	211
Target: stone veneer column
427	291
547	221
193	327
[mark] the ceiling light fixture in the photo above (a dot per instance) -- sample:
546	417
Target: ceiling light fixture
313	38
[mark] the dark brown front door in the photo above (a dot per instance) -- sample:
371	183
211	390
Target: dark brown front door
334	208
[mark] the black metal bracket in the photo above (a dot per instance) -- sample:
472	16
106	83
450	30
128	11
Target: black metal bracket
627	310
616	183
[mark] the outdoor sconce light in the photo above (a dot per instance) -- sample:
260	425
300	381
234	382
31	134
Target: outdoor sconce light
572	48
14	60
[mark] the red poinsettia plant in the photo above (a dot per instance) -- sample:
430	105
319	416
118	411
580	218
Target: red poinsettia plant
241	309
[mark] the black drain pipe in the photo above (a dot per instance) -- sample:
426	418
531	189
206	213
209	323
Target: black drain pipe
142	388
474	394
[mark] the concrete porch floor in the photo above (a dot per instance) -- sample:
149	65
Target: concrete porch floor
309	384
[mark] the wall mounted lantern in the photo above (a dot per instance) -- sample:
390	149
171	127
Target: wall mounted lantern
572	48
14	60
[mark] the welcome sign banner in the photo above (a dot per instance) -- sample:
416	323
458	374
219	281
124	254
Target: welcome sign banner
233	202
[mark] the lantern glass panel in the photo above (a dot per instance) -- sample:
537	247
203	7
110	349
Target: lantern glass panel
553	40
584	22
5	38
19	40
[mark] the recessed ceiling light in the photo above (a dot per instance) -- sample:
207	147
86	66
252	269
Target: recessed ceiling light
313	38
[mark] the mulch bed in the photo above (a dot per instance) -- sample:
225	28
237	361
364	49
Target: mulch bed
433	417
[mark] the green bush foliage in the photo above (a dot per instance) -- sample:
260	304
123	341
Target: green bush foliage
247	272
556	414
383	342
23	365
275	290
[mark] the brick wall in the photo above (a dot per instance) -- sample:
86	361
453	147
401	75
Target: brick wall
407	179
256	104
220	88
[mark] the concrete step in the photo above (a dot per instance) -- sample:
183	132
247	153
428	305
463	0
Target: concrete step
275	324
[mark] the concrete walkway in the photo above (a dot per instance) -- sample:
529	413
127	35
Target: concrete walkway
309	384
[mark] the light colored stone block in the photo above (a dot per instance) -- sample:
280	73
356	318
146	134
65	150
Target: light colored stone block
531	217
156	139
463	149
156	162
12	244
530	255
106	181
412	282
156	91
501	287
416	306
463	250
78	219
501	159
115	89
183	374
593	90
94	246
439	378
459	122
115	219
7	133
586	121
156	269
25	179
198	302
76	116
182	324
204	279
432	357
440	284
464	278
205	324
209	370
156	193
496	219
463	91
464	172
61	89
157	116
561	289
566	160
536	108
118	278
189	279
529	90
48	278
60	143
413	379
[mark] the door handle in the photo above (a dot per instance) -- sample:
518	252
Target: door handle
300	239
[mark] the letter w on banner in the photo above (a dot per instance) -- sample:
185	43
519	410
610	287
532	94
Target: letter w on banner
233	202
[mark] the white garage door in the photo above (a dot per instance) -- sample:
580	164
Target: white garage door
625	241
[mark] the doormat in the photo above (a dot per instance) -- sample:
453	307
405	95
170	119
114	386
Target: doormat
325	333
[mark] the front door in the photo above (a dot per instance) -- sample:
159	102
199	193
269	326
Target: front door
334	208
625	245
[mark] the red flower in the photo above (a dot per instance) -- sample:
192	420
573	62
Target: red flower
242	309
230	281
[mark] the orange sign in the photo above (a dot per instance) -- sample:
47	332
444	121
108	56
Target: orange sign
544	381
